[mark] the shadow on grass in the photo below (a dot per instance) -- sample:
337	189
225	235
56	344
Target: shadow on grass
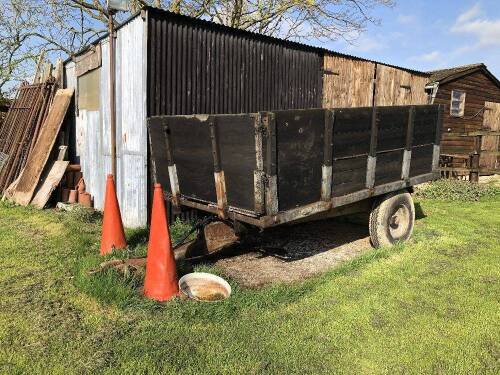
419	212
137	237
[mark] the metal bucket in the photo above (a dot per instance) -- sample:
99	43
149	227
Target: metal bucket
205	287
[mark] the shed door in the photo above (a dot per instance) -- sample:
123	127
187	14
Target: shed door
491	122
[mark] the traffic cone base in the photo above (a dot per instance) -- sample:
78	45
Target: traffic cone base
160	283
113	234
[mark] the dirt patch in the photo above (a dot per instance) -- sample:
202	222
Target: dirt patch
292	253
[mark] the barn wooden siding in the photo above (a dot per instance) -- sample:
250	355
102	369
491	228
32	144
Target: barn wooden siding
479	88
348	82
201	67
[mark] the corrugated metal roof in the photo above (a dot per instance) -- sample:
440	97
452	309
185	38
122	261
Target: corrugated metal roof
236	31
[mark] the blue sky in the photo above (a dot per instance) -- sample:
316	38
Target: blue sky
428	35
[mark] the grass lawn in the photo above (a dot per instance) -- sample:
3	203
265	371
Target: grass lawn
430	306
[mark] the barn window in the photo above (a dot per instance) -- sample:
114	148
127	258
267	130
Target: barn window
457	106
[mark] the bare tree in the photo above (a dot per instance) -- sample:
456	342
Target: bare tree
62	27
288	19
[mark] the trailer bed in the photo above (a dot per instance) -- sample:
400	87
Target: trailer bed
275	167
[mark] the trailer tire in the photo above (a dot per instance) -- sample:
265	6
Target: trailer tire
392	219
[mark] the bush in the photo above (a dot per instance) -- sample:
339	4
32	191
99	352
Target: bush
456	190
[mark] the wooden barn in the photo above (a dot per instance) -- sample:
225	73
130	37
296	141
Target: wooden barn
471	95
169	64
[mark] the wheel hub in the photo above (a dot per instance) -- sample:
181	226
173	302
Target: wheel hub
399	221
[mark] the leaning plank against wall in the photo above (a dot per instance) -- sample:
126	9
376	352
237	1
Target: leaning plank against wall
347	82
399	87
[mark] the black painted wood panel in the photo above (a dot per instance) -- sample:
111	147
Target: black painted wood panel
389	166
421	160
392	126
300	156
351	132
238	160
348	175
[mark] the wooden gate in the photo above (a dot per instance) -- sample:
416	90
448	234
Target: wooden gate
490	143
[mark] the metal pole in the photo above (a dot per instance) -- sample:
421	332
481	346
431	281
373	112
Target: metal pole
112	93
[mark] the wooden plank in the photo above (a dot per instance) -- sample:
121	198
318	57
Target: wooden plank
490	143
494	133
37	160
371	165
49	183
326	174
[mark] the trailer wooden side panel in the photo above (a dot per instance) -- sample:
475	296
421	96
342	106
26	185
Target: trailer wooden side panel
299	143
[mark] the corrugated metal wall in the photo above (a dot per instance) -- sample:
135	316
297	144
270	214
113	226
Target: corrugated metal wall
93	130
199	67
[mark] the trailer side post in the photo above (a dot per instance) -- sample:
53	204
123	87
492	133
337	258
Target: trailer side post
172	169
259	174
372	155
437	141
405	170
326	172
220	182
271	165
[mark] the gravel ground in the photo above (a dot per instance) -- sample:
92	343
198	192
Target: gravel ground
292	253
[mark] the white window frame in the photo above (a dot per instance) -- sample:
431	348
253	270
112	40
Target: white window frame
459	103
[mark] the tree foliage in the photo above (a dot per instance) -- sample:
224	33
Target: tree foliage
62	27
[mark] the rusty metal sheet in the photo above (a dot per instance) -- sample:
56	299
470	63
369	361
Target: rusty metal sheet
219	235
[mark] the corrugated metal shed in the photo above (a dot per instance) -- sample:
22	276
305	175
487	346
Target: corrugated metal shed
201	67
92	124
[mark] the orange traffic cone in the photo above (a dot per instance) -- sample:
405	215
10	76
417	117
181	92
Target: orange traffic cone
161	282
113	235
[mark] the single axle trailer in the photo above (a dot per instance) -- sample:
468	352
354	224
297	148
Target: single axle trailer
278	167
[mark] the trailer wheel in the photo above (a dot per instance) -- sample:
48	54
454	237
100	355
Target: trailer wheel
392	219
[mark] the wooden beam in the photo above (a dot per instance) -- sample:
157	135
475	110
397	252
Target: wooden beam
372	155
326	170
405	169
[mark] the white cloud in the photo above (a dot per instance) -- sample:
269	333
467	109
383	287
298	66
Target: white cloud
366	43
470	14
406	18
433	56
485	31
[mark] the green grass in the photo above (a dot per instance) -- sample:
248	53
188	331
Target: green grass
431	306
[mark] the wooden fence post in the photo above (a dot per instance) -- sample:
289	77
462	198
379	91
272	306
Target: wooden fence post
474	160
